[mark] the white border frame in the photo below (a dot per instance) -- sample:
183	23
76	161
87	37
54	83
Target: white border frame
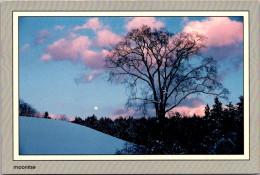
15	77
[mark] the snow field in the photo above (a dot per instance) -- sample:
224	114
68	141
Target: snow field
39	136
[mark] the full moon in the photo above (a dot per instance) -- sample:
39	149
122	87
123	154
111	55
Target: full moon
96	108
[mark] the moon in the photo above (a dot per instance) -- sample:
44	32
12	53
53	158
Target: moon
96	108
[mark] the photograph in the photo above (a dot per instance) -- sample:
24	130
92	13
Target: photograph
131	85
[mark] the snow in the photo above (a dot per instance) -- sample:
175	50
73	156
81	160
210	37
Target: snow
39	136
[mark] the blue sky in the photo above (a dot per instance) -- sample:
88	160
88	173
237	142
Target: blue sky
61	60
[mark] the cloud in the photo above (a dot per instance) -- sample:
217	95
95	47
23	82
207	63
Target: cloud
224	52
59	117
72	119
123	112
184	21
184	110
25	47
42	36
191	105
93	59
237	62
66	48
46	57
78	48
137	22
92	23
52	116
192	102
231	57
221	76
119	111
220	31
188	111
86	78
39	114
57	27
224	38
73	35
106	37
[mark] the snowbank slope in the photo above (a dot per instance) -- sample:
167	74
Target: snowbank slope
38	136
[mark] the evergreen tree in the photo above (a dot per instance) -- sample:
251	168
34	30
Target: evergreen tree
239	124
78	120
230	110
46	115
230	107
207	111
240	104
217	107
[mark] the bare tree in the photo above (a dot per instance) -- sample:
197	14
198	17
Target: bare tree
64	117
161	69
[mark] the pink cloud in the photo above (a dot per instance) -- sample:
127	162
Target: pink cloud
73	35
25	47
46	57
76	48
43	33
93	59
39	114
188	111
66	49
54	116
42	36
220	31
57	27
137	22
88	77
72	119
192	102
122	112
81	48
59	117
93	75
92	23
106	37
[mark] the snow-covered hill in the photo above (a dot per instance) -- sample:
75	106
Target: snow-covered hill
38	136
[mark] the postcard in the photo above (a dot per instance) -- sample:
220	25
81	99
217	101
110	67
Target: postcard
127	88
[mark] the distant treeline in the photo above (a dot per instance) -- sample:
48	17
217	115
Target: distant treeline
27	110
220	131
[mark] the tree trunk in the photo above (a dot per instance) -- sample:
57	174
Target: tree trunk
161	116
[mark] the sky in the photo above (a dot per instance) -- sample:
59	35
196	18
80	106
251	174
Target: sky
61	62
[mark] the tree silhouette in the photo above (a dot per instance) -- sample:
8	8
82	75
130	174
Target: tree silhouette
217	107
240	104
207	111
46	115
26	110
64	118
161	69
